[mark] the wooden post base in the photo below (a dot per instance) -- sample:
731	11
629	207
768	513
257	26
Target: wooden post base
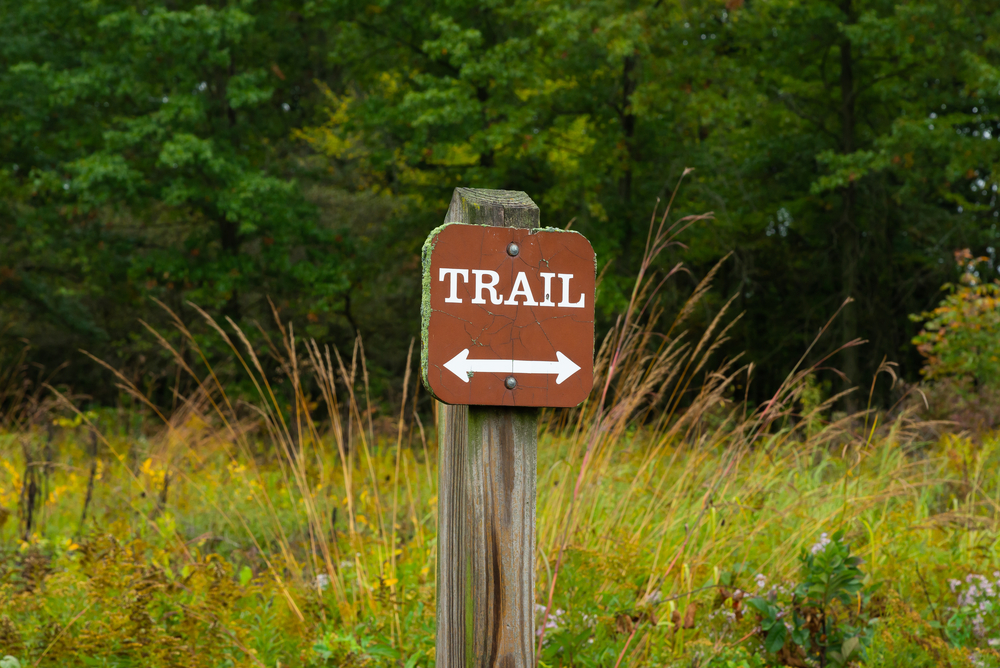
486	540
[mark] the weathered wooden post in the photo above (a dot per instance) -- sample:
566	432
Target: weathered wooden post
496	345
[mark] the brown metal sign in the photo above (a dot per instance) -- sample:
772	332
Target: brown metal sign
508	316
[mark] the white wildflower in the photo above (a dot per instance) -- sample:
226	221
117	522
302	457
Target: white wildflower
821	544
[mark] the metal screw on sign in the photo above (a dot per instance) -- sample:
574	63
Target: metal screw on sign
507	327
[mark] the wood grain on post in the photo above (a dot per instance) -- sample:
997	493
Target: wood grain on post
486	501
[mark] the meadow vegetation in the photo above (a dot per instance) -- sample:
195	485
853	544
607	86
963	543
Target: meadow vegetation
678	524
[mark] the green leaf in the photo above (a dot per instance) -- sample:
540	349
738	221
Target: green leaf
382	650
775	639
763	607
849	647
248	89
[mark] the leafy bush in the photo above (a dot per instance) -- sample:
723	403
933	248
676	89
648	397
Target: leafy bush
825	618
959	338
959	344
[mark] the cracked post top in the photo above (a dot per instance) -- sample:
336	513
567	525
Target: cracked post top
496	208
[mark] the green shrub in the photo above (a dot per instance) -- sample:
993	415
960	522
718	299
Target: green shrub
960	337
825	617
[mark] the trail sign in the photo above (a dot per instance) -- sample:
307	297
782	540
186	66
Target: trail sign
508	316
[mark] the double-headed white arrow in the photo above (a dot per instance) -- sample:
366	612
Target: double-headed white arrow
462	366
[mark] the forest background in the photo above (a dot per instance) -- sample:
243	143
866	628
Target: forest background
241	154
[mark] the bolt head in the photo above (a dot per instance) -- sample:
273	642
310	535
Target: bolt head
510	382
513	249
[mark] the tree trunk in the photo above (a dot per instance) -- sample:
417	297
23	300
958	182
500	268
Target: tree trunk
486	158
848	228
625	180
230	237
229	231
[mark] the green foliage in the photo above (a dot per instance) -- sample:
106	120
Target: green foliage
360	645
146	156
737	657
300	151
861	153
841	144
959	337
826	614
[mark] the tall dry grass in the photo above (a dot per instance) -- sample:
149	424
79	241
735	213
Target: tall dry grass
658	392
303	457
669	399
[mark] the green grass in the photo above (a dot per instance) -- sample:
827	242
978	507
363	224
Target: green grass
227	570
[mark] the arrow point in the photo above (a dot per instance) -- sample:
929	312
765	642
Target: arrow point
567	367
459	365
